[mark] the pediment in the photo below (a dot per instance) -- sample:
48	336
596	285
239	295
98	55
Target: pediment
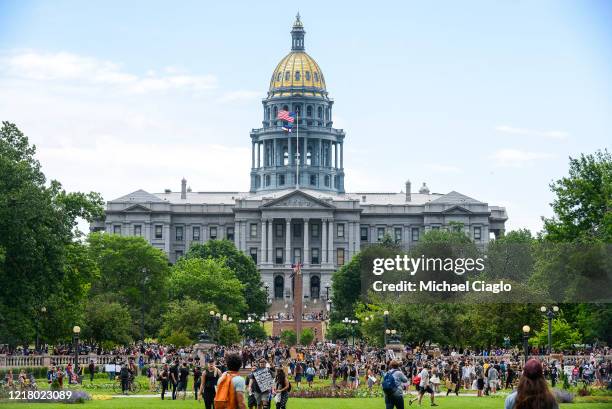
137	208
456	210
297	199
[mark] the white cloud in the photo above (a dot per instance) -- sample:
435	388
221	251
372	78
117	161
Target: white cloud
532	132
73	69
517	158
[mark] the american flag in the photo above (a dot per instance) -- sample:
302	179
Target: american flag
286	116
297	267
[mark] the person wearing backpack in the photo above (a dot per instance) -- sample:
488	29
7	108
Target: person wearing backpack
231	386
392	386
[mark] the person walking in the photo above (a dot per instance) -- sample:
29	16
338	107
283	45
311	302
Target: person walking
392	386
92	370
183	378
124	375
453	380
532	391
424	386
492	379
231	386
174	377
163	377
197	381
209	382
282	389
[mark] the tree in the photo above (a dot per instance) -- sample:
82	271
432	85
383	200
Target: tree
135	272
208	280
187	317
228	333
337	331
563	335
255	332
288	337
583	201
241	264
107	321
37	223
307	336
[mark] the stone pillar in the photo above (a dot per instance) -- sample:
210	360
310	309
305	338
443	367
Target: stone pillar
298	304
270	241
341	155
237	241
253	155
336	156
166	237
263	241
287	241
306	252
350	239
289	155
324	241
330	246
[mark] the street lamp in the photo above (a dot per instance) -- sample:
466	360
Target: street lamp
386	317
526	330
145	280
43	310
76	331
549	313
215	322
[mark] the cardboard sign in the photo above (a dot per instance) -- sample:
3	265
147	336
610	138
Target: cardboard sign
264	379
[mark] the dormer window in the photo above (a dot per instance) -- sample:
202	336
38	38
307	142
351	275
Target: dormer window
297	75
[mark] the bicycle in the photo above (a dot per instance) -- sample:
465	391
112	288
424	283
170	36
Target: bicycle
133	386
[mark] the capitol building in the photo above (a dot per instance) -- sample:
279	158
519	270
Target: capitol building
297	209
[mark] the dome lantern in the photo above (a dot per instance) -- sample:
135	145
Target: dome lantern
297	34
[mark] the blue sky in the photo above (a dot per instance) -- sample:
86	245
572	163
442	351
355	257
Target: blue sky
488	98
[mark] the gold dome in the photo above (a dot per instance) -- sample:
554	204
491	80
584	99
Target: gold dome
297	73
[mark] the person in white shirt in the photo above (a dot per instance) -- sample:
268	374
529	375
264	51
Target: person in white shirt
424	387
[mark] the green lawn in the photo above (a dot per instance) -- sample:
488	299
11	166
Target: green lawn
374	403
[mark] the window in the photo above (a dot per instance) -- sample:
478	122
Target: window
279	76
213	233
253	230
363	233
314	256
316	76
340	256
313	180
297	230
195	233
279	287
309	111
415	233
477	234
253	253
179	254
230	233
117	229
380	233
179	233
297	75
279	255
278	230
297	255
315	287
315	230
397	233
307	74
340	230
281	179
287	76
267	180
275	113
319	112
158	231
327	180
137	230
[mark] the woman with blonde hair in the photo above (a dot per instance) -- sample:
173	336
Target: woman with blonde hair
532	391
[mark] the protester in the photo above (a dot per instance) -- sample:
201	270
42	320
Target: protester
164	376
209	382
532	391
282	389
392	386
231	386
424	387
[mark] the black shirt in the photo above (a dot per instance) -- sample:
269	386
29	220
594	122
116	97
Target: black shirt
184	373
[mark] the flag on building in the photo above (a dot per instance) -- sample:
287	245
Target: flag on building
288	127
286	116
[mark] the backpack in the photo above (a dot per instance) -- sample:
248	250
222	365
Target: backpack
388	383
225	398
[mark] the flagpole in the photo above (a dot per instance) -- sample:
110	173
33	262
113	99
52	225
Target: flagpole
297	147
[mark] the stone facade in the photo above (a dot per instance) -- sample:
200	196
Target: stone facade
312	219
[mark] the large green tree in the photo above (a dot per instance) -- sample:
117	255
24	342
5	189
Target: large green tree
186	316
135	273
107	321
208	280
37	224
241	264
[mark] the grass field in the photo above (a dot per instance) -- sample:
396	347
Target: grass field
373	403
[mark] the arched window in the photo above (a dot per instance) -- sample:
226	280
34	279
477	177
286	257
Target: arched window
316	76
309	156
279	76
319	112
327	180
297	75
285	108
287	76
307	73
315	287
275	113
309	111
279	287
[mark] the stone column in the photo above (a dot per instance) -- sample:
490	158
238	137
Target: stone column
341	155
263	241
270	241
237	241
330	246
306	252
252	155
336	156
350	239
166	237
289	154
324	241
288	241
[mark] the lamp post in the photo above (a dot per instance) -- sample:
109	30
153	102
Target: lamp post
215	321
386	320
549	313
351	324
76	330
526	330
145	280
43	310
